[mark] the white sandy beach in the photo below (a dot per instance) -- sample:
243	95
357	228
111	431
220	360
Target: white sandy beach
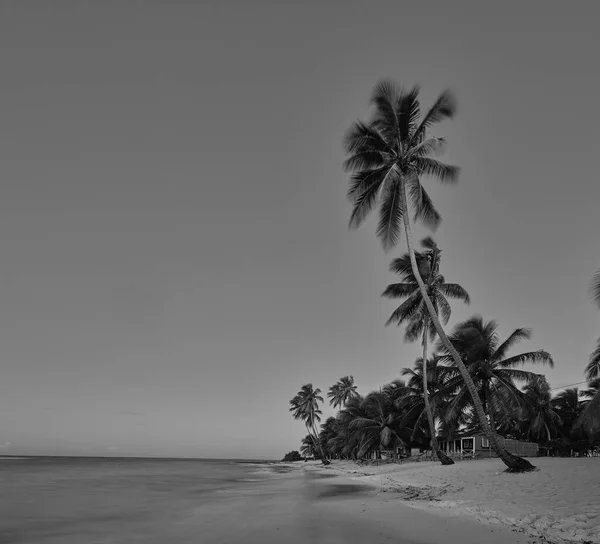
321	506
560	502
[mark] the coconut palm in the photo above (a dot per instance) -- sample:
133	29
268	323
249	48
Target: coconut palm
381	425
568	405
492	370
341	391
414	311
539	418
389	156
308	447
305	407
589	419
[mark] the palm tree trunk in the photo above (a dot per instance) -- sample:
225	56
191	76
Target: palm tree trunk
444	459
318	444
513	462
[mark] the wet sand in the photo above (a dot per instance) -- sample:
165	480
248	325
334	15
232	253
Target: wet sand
308	507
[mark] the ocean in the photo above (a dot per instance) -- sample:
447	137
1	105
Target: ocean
109	501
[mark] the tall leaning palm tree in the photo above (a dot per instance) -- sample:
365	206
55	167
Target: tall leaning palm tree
341	391
414	311
305	407
389	156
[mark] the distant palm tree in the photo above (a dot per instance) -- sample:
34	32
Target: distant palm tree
388	157
414	311
305	407
491	369
308	448
381	425
341	391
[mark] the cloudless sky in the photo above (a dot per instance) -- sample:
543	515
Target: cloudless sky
175	257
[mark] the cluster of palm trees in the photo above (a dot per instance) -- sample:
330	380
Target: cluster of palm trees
471	381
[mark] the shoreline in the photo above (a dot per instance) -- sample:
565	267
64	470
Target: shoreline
556	504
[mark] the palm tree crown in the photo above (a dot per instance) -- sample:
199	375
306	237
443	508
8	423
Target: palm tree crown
413	309
341	391
305	405
391	149
492	370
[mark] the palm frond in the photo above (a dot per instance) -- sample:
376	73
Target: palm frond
456	291
444	308
428	147
532	357
422	204
384	98
515	337
408	112
592	370
403	267
400	290
426	166
364	137
406	310
595	288
368	159
364	202
443	108
390	215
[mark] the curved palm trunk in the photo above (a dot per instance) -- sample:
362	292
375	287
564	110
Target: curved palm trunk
513	462
444	459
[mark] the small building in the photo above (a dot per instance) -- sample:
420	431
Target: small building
475	443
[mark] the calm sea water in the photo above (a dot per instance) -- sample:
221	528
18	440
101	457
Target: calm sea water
107	501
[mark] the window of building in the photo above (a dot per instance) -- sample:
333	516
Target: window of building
467	444
485	443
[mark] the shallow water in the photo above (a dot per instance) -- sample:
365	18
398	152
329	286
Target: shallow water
89	501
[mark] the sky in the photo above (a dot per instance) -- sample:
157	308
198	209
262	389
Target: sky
175	254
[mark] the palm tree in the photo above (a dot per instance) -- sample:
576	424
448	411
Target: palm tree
539	420
414	311
308	448
568	404
589	420
388	157
341	391
305	407
492	371
381	425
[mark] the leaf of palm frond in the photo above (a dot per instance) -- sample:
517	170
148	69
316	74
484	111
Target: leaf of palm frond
443	108
390	216
444	308
595	288
532	357
446	173
400	290
592	370
365	160
457	405
408	112
384	97
406	310
515	337
364	423
456	291
422	204
429	243
402	267
428	147
414	329
366	181
364	137
513	374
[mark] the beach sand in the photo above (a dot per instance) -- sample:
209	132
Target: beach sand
314	505
560	502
